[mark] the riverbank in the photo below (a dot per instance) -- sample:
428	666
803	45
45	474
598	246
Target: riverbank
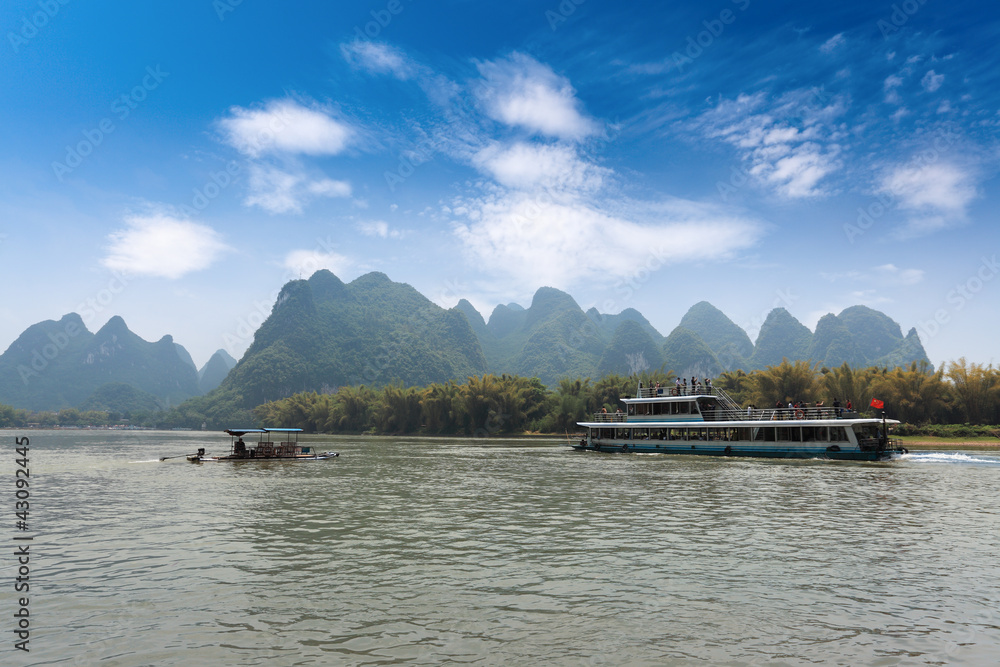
931	442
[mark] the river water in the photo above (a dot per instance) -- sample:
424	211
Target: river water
489	552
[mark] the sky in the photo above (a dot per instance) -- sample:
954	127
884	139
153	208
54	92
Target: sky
176	163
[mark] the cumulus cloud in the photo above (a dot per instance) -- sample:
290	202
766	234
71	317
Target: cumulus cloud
285	127
163	246
521	92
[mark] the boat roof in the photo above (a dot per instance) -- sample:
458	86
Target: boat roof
734	423
244	431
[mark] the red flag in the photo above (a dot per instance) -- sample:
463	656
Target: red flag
877	404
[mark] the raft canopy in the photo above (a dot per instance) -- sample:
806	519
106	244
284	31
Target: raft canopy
244	431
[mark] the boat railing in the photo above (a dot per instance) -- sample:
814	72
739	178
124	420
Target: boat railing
609	417
770	414
657	392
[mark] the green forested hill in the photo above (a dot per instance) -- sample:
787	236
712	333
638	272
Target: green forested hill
781	336
731	344
322	334
631	351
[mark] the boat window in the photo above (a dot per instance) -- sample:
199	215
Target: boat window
770	433
837	434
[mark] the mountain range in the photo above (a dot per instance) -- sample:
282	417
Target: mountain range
323	334
61	364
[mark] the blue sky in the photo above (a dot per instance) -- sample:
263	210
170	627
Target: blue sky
176	164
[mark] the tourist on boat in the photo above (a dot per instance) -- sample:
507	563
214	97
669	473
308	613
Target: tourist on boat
836	408
677	389
850	408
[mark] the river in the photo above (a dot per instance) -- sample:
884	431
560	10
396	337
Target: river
497	552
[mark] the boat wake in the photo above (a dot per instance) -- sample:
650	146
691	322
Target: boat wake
149	461
950	457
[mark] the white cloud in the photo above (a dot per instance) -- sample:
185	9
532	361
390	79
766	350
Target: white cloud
285	127
832	44
942	187
520	91
277	190
530	241
931	81
304	263
526	166
790	144
163	246
378	228
895	275
936	195
378	58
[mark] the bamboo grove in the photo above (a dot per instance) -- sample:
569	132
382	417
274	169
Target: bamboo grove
961	393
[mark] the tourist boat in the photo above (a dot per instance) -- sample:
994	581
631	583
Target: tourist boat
287	447
706	421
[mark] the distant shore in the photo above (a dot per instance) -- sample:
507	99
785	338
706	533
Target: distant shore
930	442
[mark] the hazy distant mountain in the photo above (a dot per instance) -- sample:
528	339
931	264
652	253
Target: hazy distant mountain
631	350
55	365
322	334
609	324
215	371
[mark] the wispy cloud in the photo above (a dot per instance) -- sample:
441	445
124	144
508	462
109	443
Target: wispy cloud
277	190
832	44
379	229
791	144
932	81
529	240
524	166
163	246
379	58
304	263
936	196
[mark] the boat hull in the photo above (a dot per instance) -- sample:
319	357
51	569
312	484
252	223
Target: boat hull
771	451
298	457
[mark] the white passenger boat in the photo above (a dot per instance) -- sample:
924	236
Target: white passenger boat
708	422
286	447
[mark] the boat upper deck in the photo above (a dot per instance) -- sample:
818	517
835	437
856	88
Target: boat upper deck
709	403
